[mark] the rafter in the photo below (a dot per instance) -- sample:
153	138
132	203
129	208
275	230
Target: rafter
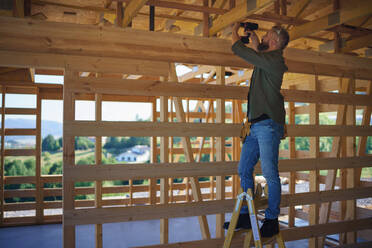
237	14
131	10
361	8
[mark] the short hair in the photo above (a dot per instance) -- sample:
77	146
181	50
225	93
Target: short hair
283	36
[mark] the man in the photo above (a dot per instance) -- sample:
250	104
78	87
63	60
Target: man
266	114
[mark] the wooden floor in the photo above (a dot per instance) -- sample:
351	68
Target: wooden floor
121	235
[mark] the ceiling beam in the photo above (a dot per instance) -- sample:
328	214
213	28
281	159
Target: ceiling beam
131	11
182	6
361	8
74	40
357	43
237	14
297	8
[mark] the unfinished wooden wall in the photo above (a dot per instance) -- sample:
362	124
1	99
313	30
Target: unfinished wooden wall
158	62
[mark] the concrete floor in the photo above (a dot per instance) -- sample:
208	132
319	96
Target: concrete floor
121	235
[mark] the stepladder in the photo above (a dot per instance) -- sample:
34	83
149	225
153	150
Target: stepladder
247	198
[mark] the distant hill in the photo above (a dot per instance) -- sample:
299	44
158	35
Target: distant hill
47	127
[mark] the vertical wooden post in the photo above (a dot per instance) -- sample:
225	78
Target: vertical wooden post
363	140
195	186
325	208
98	184
350	212
314	153
2	181
205	20
119	14
164	158
152	182
292	154
220	154
39	185
283	7
68	156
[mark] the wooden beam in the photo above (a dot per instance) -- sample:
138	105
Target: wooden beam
124	43
158	88
191	169
164	158
98	160
288	235
325	209
69	235
357	43
204	228
359	9
83	63
120	214
220	152
131	11
237	14
119	128
297	8
187	7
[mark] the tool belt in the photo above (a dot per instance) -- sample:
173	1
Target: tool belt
244	132
246	127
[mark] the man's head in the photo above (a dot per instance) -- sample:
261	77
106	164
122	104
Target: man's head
275	38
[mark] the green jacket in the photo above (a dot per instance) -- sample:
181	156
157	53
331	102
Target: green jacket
264	95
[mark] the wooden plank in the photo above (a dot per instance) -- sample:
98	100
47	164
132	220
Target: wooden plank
363	140
2	161
288	235
152	183
237	14
122	128
358	9
98	160
20	111
131	11
325	208
314	153
191	169
134	43
68	159
157	88
20	131
39	185
120	214
204	228
20	152
292	155
357	43
19	179
220	153
164	158
83	63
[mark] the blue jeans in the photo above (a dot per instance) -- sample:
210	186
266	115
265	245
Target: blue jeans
262	143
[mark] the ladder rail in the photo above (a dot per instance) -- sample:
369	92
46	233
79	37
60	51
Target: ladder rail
255	231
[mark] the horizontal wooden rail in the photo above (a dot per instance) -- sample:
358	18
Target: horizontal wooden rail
143	129
88	40
290	234
159	88
143	171
20	152
20	131
20	111
120	214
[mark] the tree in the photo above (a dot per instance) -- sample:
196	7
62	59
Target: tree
50	144
83	143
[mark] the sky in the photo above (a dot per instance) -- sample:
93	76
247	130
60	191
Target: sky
85	110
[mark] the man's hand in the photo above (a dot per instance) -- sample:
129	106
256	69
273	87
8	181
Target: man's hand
235	36
254	40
